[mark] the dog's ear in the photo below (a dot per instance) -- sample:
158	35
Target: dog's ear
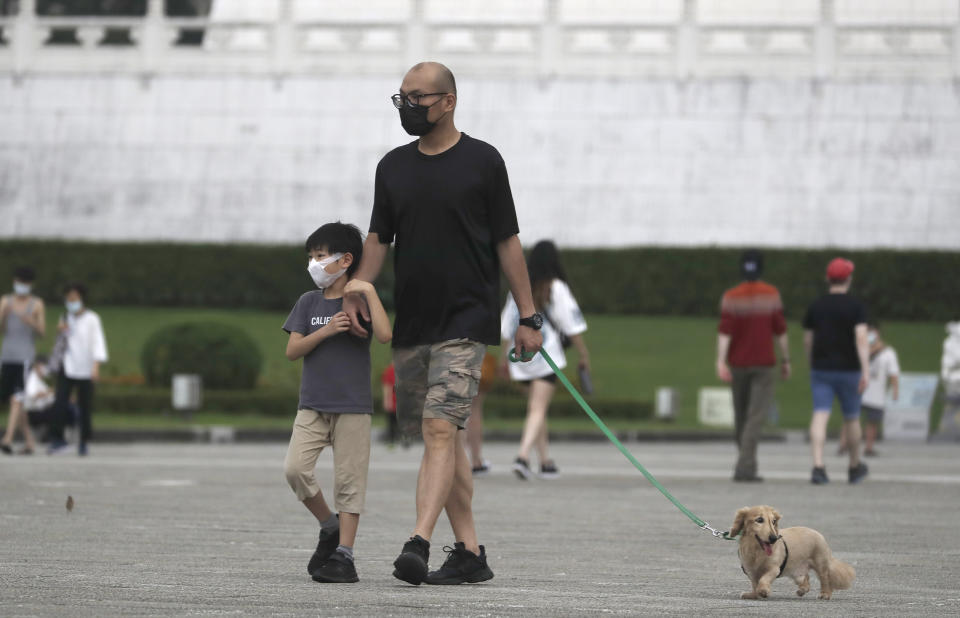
776	517
738	521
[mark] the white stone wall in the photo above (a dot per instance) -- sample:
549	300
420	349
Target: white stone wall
593	162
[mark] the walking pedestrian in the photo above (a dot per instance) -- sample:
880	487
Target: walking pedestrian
22	322
563	322
835	339
751	318
445	201
884	378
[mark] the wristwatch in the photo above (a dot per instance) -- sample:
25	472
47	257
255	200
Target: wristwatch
535	321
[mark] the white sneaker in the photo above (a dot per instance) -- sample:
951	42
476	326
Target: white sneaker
522	469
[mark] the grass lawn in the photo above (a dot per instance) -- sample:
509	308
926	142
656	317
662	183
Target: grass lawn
631	355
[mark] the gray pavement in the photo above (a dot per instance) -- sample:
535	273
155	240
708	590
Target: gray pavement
185	529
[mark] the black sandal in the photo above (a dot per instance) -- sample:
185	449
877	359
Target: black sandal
6	449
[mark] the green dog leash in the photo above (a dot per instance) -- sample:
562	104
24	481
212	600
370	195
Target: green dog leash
720	534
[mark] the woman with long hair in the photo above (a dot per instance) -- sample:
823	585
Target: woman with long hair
562	320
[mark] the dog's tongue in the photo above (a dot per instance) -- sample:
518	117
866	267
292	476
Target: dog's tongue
768	548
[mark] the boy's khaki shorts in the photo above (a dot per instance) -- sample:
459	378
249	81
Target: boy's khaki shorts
349	436
438	380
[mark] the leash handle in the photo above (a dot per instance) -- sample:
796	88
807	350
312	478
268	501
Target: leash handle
524	357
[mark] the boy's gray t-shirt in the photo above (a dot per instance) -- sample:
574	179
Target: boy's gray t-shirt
336	373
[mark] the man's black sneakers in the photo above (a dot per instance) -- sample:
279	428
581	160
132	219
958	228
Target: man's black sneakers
855	475
325	548
338	569
411	564
462	566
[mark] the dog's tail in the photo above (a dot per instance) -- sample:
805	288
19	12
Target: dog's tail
841	574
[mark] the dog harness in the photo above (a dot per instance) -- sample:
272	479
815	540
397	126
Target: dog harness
783	565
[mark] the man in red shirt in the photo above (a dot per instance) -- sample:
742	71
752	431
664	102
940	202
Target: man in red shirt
751	316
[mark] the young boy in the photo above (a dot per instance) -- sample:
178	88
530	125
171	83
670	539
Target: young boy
336	404
884	373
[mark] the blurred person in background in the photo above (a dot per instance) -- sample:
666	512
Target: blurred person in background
751	318
950	371
835	339
474	437
884	375
30	408
86	350
561	318
22	322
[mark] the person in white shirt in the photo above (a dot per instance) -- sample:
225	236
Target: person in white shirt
80	369
884	376
32	406
562	319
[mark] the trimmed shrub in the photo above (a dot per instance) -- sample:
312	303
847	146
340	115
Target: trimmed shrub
225	356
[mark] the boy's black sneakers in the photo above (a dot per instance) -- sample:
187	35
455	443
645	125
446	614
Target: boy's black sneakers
411	564
329	541
338	569
819	476
461	567
857	474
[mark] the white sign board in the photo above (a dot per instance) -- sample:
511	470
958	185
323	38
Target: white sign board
715	407
908	418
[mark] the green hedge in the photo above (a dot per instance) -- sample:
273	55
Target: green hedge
911	285
283	402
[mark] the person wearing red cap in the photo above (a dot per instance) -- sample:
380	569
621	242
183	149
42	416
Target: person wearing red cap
835	338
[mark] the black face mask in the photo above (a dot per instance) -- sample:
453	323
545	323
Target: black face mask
413	118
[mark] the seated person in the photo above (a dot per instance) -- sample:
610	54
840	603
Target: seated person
32	406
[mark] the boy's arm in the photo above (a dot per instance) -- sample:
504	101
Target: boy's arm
378	315
299	345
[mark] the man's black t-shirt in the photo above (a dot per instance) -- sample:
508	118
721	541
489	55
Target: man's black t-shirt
832	318
446	214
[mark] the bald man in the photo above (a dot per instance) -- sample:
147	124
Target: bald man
445	201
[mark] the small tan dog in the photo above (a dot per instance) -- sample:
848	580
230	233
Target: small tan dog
767	552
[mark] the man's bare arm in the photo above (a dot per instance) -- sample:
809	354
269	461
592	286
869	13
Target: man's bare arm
527	340
374	253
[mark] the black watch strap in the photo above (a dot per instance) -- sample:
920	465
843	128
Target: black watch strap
535	321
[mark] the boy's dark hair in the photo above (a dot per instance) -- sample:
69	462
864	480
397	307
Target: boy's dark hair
25	274
77	287
39	359
874	324
338	237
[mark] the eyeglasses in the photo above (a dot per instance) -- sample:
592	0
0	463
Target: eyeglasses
410	99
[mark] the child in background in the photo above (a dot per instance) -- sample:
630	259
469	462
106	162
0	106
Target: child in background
32	406
884	373
335	400
388	380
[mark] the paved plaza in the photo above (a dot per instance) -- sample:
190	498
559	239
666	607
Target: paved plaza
198	529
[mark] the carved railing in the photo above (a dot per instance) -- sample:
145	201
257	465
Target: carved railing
546	38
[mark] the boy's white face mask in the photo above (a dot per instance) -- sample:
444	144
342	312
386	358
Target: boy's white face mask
871	338
318	271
